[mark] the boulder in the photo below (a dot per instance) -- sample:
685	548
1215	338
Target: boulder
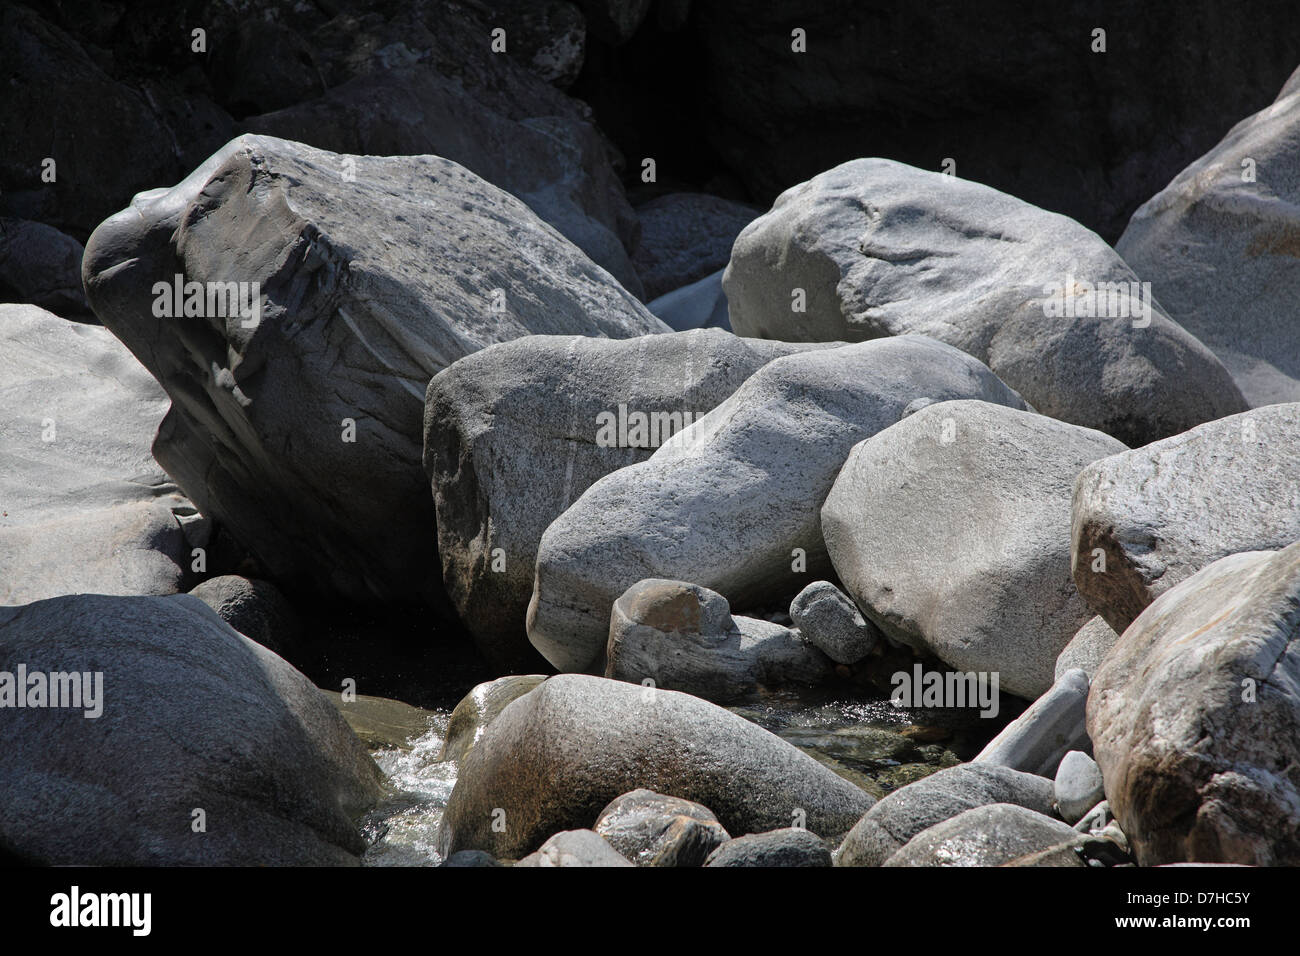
59	173
830	621
85	509
1144	520
984	582
901	815
875	248
1195	717
296	417
1088	648
985	836
558	165
470	718
1078	786
681	636
40	265
189	716
575	848
557	756
1218	245
790	846
685	237
549	38
732	503
1038	739
255	609
700	305
651	829
582	407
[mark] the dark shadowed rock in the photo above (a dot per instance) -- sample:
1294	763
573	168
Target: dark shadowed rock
194	716
40	265
685	237
787	847
255	609
300	427
111	138
945	80
468	858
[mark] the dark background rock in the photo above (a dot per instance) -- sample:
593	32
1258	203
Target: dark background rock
1011	91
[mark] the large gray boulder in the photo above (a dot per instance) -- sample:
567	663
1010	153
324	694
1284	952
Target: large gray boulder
732	503
299	427
879	248
85	507
1149	518
557	756
557	164
192	717
901	815
1218	245
982	582
1195	717
985	836
683	637
560	400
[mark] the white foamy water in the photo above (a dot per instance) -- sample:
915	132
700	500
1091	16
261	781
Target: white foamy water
404	827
